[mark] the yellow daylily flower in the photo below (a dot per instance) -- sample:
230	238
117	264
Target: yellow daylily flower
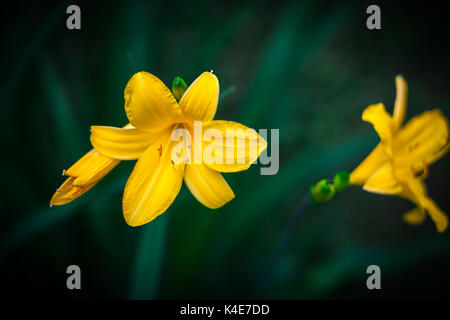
399	163
154	116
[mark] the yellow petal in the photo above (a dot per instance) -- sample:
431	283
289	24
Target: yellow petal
153	184
423	140
93	166
383	181
382	122
415	217
374	161
122	143
199	102
437	215
83	175
419	192
419	129
207	185
66	193
149	104
400	101
233	147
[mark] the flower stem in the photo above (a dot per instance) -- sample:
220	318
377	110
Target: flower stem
285	238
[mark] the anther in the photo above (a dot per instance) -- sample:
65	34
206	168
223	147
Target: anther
425	172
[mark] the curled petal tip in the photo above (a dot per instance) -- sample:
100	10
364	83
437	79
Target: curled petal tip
442	226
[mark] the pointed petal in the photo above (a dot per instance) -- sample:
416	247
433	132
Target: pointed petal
383	181
424	139
62	195
121	143
83	175
233	147
149	104
207	185
415	216
93	166
437	215
200	100
382	123
418	191
374	161
68	192
400	101
153	184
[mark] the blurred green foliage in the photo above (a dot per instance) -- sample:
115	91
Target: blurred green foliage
308	68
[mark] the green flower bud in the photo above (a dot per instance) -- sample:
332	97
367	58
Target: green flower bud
341	180
178	88
322	191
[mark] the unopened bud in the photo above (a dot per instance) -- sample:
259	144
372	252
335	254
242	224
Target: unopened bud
341	180
178	88
322	191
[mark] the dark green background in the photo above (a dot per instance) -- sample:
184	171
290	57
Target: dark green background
308	68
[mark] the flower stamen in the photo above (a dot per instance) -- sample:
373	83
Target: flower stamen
425	172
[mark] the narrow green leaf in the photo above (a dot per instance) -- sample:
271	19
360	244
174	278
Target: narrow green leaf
55	95
149	258
32	225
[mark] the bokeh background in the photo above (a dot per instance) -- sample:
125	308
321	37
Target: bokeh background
308	68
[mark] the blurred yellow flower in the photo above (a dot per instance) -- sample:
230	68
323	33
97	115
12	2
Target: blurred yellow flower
399	164
154	116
